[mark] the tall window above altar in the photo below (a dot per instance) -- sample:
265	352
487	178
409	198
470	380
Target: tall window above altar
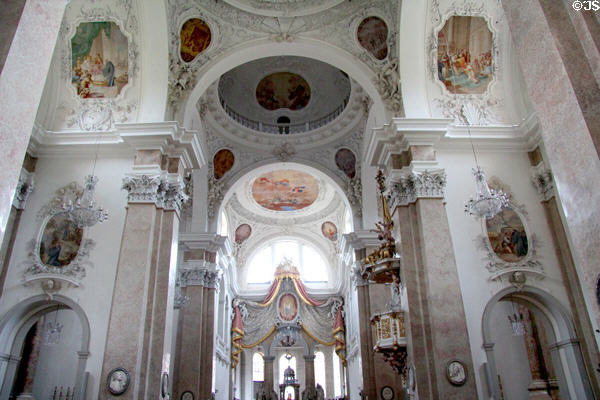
307	258
258	368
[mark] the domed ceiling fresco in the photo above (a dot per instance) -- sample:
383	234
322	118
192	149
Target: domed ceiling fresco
300	89
285	190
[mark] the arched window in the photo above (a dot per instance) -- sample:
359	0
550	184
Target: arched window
320	370
337	377
306	257
284	363
258	368
223	225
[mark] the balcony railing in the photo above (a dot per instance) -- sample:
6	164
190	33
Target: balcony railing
283	128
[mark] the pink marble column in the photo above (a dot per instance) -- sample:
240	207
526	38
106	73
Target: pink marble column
21	84
369	387
436	319
269	377
140	323
542	178
561	83
309	373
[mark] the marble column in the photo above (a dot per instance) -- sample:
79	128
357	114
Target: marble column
366	337
538	388
21	85
24	189
436	319
309	373
199	278
330	390
269	378
542	179
567	104
32	361
138	337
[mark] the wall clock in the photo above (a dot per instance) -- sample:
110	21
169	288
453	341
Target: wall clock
187	395
456	372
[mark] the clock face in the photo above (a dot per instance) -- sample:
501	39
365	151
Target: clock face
456	372
187	395
387	393
118	381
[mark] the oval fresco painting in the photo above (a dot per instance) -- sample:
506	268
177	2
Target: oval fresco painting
346	162
288	307
283	90
242	233
464	59
60	241
194	38
372	35
285	190
222	162
99	60
329	230
507	235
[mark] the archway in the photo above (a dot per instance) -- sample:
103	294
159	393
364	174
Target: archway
563	352
18	324
302	47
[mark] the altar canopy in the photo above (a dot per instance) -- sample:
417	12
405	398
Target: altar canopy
287	308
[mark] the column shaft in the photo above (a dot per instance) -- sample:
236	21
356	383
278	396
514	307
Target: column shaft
208	343
568	101
436	312
39	24
366	342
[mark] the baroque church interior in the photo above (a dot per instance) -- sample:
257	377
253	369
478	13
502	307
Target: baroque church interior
299	199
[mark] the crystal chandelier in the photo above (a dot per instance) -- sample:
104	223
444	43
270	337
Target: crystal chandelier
487	202
84	212
517	323
53	331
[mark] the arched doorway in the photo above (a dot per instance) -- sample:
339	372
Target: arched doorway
45	345
532	348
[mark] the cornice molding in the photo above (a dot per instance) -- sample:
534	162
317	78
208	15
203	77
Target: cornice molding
168	137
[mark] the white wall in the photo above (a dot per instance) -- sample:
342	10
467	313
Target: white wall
512	168
95	293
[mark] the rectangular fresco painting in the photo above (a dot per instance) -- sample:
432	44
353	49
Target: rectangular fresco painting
99	56
464	58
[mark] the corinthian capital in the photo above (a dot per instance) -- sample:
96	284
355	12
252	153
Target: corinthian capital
407	188
142	188
174	193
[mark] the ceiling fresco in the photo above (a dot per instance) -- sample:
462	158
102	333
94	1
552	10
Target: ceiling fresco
285	190
283	90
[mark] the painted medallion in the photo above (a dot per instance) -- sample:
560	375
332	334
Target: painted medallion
464	60
329	230
288	307
372	35
242	233
99	60
285	190
283	90
194	38
60	241
507	235
222	162
346	162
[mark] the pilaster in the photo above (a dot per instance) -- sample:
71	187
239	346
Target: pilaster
199	278
140	326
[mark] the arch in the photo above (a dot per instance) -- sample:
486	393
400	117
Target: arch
303	47
570	369
15	324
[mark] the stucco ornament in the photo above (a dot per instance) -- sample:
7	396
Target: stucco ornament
541	177
73	272
24	188
284	152
216	192
484	108
233	23
514	271
123	106
411	186
182	78
387	82
96	115
142	188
